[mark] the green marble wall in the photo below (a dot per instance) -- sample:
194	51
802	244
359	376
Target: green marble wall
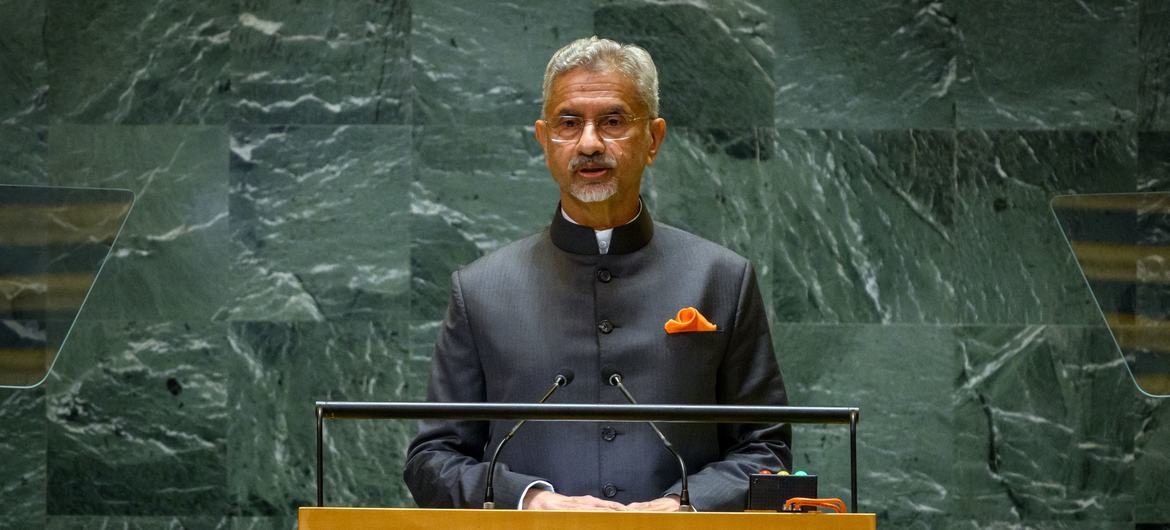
308	176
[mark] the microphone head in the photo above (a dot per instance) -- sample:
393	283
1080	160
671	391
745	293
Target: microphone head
612	375
565	376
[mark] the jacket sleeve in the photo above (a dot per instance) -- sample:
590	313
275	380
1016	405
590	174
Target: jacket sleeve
445	464
748	375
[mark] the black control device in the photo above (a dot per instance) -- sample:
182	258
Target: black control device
769	492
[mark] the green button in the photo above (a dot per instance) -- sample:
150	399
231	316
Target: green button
800	474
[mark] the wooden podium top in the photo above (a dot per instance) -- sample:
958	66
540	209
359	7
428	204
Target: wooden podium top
312	518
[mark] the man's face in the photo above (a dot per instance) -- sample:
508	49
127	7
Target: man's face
593	168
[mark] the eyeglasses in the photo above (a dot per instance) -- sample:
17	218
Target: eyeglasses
612	127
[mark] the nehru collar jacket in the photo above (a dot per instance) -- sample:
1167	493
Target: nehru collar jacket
549	302
580	239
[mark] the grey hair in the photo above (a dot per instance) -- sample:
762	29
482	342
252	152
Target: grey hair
600	55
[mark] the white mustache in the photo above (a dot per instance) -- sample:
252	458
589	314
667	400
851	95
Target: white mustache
600	160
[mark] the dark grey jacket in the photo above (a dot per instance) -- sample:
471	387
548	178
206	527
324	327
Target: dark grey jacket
551	301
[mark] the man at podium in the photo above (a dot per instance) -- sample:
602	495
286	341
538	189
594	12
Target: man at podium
603	290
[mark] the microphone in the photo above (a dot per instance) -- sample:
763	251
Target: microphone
563	378
614	378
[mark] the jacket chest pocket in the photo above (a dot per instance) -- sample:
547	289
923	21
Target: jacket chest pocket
696	343
692	360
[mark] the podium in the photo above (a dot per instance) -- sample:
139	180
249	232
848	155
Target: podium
321	517
314	518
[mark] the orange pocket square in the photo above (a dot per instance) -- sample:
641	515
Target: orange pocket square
688	319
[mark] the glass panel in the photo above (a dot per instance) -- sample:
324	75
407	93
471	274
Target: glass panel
53	242
1122	244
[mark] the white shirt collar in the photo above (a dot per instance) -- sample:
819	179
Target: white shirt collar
603	236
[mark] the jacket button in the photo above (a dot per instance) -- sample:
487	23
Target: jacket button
608	433
604	276
605	326
609	490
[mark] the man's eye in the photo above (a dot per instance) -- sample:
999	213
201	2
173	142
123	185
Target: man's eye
612	121
570	123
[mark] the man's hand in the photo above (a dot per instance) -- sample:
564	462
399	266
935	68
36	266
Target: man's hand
538	499
668	503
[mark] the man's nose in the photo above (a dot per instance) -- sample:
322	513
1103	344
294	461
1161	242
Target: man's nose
590	142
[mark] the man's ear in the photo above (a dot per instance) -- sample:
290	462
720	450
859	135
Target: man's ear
657	133
539	132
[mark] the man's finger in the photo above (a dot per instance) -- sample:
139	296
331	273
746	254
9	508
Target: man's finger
656	505
608	505
593	505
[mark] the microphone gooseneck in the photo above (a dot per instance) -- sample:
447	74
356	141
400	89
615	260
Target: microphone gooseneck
614	378
563	378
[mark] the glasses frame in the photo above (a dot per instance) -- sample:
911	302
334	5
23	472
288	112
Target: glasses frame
597	130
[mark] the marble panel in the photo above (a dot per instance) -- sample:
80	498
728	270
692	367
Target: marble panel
1045	418
138	523
1154	53
1041	525
24	153
1047	65
171	260
1153	161
24	80
863	226
299	62
875	64
138	420
437	250
279	370
475	190
264	523
423	334
704	52
708	182
319	218
467	73
902	379
138	61
1015	265
1152	462
22	451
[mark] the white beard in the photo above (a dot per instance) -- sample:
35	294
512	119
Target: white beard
594	192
